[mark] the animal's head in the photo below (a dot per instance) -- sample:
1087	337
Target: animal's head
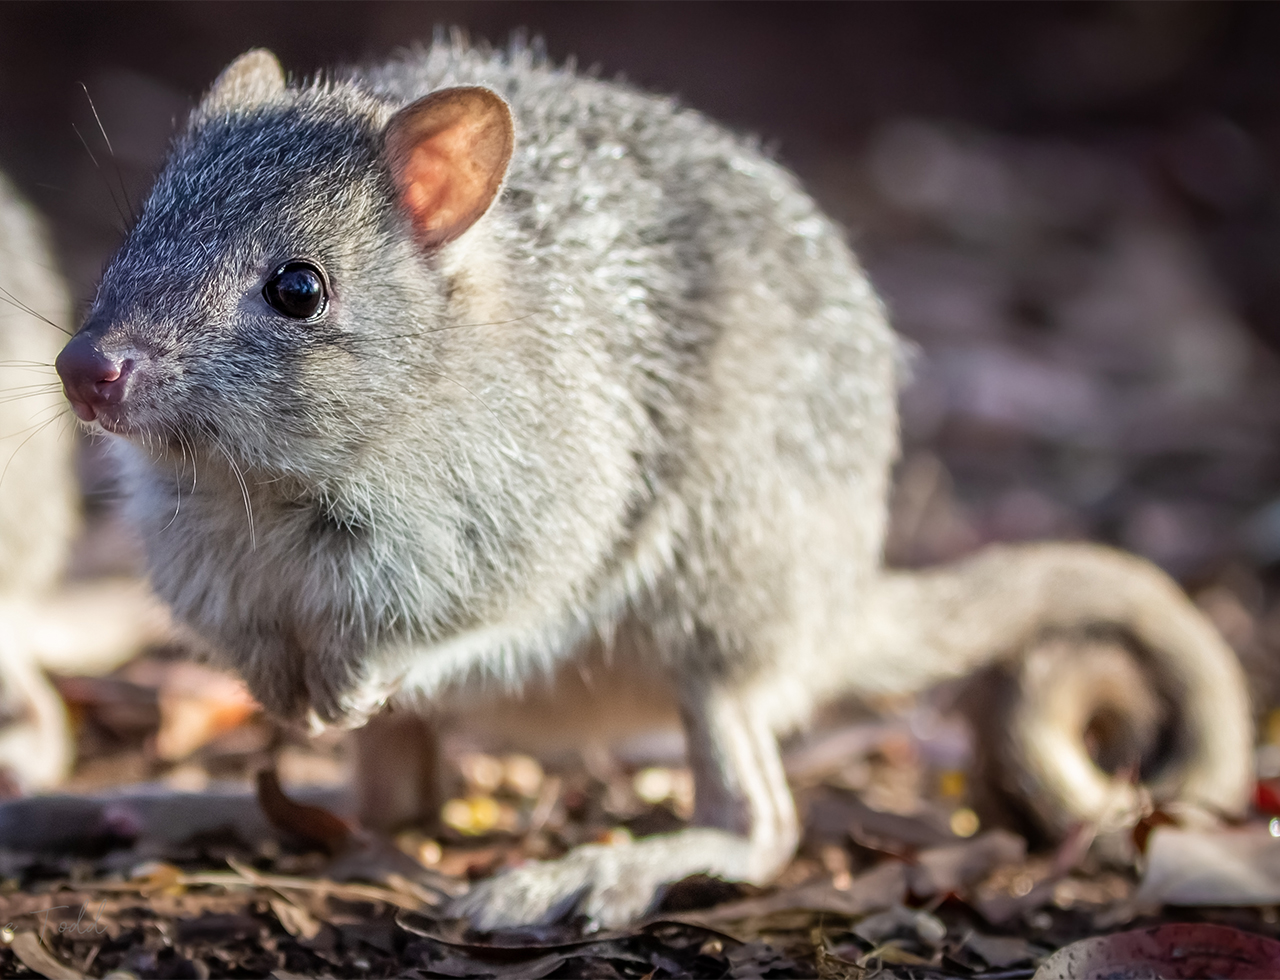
283	260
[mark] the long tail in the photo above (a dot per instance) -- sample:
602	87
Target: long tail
1025	606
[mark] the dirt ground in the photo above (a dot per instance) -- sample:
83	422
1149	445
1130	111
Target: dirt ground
1073	212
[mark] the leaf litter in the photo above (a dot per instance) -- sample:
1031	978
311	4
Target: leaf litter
1050	400
316	894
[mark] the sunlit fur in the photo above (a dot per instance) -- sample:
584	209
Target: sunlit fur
653	348
38	493
650	390
39	498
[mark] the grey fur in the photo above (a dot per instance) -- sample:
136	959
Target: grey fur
651	390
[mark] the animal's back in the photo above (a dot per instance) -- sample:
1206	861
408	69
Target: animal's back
748	341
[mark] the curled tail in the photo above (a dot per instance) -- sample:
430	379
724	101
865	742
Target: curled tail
1080	639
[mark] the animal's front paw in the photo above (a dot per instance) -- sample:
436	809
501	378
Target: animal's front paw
610	886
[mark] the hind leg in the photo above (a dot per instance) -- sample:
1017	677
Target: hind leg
746	830
398	776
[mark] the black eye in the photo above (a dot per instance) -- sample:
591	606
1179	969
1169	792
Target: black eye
297	290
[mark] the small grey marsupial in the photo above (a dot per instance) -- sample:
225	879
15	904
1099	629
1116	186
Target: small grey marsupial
446	369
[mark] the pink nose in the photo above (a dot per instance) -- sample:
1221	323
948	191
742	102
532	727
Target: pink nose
92	378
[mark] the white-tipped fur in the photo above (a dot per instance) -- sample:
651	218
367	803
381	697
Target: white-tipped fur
648	399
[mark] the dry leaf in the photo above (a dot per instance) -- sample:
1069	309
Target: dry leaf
196	706
35	957
312	823
1174	952
1210	867
356	853
1002	952
296	921
883	886
893	955
158	876
944	870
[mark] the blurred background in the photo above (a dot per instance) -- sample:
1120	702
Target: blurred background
1072	210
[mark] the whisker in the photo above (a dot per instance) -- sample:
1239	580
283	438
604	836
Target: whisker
453	381
177	483
188	454
448	326
45	385
437	374
13	300
41	386
106	183
244	491
185	446
38	429
9	399
35	421
76	130
98	119
33	386
124	193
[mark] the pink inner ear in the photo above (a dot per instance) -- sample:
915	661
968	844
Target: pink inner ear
448	154
426	178
442	182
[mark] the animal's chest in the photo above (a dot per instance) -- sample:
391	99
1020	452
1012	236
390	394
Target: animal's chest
244	567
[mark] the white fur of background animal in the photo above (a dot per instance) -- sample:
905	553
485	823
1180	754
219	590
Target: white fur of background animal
94	626
38	493
39	497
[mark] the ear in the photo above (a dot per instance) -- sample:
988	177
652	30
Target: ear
251	80
448	153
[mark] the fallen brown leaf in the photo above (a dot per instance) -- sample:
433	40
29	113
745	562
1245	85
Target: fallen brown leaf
1178	951
196	706
955	867
356	853
883	886
313	824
